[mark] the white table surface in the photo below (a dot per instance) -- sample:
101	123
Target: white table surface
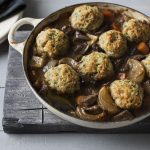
41	8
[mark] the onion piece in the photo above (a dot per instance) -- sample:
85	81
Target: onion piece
136	71
71	62
106	102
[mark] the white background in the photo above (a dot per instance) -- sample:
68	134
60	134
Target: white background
41	8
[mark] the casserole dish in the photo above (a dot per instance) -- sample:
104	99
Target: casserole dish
25	46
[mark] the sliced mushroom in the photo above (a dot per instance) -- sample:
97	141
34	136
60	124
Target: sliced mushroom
68	30
93	39
106	102
86	101
50	64
136	71
71	62
85	116
95	109
80	36
146	86
122	116
84	47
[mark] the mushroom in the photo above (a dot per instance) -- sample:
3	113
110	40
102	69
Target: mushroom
67	29
80	36
86	101
106	102
50	64
136	71
122	116
95	109
80	112
67	60
84	47
89	104
146	86
93	39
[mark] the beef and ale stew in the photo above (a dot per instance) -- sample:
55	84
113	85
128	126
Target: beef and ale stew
94	64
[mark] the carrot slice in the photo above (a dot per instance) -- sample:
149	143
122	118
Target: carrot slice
143	48
107	13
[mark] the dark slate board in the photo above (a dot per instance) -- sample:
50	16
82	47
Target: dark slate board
23	113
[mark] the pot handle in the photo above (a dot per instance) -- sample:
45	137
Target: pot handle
20	46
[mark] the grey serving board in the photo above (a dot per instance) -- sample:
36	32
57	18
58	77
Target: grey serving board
23	113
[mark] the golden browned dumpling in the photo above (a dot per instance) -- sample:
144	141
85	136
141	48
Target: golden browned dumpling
113	43
63	79
136	30
96	65
86	18
126	94
51	41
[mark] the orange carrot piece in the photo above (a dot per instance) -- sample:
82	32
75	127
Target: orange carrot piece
107	13
143	48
